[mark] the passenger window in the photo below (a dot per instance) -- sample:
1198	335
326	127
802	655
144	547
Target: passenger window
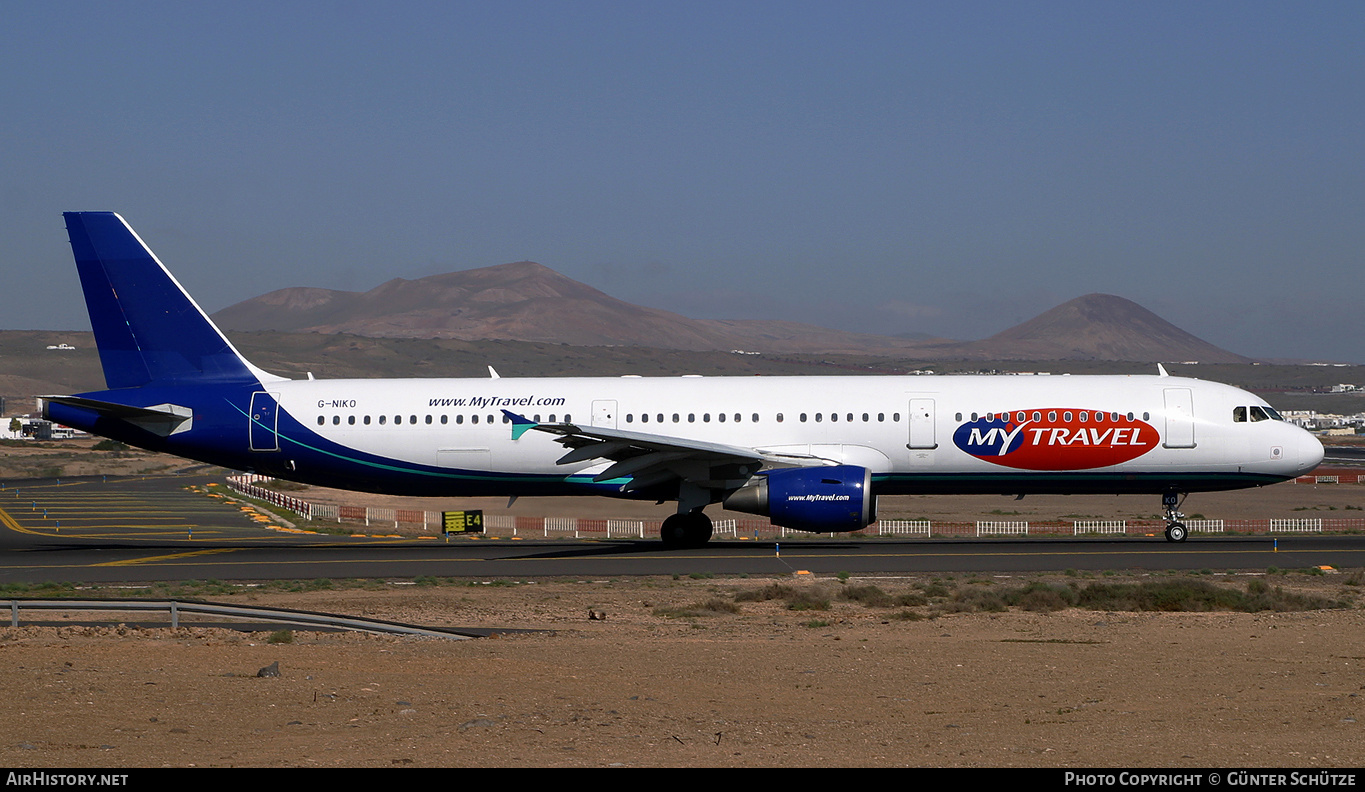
428	419
630	418
779	417
459	419
444	419
336	419
473	419
367	420
321	420
819	417
755	417
350	419
383	419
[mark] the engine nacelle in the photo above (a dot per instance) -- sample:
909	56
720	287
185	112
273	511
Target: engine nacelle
818	499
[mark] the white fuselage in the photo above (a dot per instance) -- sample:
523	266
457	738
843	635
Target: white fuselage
890	425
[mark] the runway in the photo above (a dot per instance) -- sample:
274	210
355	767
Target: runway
167	529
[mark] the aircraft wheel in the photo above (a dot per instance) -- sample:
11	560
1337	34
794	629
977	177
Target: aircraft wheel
686	530
1176	532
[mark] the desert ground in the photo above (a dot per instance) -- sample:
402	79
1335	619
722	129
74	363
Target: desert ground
658	672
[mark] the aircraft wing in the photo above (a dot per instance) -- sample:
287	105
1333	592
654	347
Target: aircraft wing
650	459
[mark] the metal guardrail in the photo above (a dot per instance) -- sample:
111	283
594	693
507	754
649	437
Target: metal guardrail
280	615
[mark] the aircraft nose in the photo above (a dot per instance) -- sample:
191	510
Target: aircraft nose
1310	452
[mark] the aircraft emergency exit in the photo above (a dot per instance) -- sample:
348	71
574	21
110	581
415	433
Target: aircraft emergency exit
810	453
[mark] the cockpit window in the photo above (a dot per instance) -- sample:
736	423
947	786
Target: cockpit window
1255	413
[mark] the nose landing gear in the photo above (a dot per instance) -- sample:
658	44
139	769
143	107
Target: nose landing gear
1175	529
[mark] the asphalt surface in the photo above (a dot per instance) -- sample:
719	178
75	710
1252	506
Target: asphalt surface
168	529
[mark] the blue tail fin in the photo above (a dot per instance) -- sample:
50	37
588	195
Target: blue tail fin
147	328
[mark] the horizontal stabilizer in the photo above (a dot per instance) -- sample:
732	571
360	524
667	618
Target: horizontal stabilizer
160	419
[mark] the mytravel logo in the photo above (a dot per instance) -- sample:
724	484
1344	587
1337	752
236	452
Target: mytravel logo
1056	439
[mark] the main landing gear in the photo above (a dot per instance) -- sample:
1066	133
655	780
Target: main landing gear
689	529
1175	529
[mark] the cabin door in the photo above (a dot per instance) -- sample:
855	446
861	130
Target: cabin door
922	433
264	421
1179	418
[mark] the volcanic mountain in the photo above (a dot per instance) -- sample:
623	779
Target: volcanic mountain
1098	327
525	301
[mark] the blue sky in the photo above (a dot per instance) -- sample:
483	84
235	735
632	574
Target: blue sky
942	168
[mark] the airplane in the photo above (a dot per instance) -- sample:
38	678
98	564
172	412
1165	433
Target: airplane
810	453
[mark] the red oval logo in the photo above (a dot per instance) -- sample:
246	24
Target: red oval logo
1056	439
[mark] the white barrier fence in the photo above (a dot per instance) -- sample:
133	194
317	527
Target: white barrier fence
1298	525
1204	526
1079	527
723	528
634	529
1001	528
904	528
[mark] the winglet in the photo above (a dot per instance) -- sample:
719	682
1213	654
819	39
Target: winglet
520	424
1161	370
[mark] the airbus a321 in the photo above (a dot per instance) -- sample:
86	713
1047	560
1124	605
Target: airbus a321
810	453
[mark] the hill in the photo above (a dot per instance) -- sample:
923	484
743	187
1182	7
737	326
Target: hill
1099	327
525	301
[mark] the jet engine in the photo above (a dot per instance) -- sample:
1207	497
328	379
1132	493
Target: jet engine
818	499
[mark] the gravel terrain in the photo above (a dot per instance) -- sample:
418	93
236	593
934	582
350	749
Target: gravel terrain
620	678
